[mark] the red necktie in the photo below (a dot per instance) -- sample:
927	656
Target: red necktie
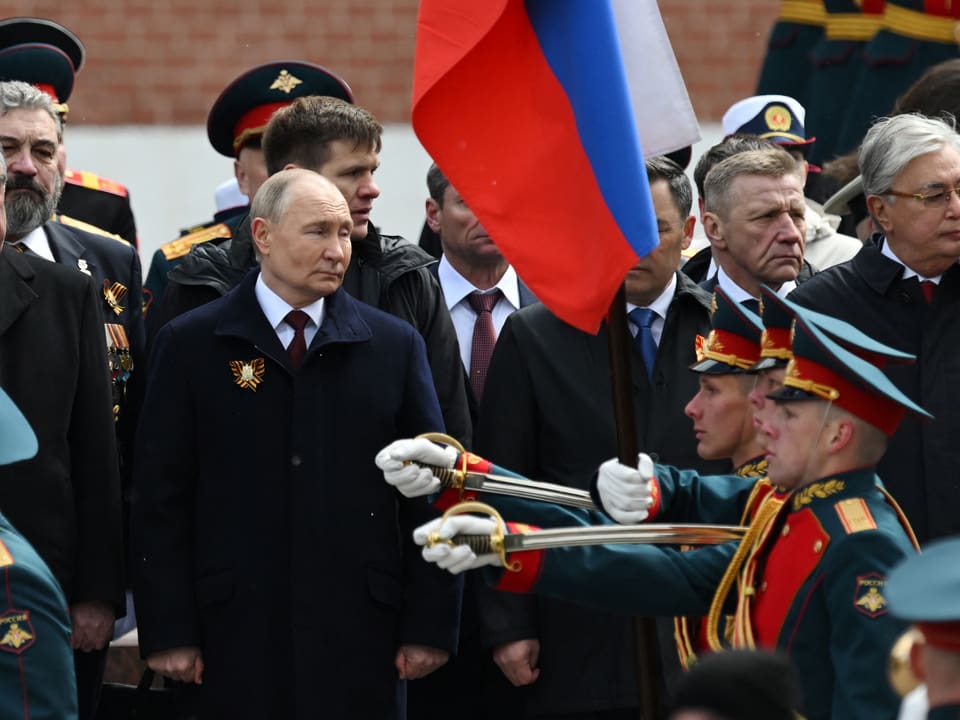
929	287
297	319
484	337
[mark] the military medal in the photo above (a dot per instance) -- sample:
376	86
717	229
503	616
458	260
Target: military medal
82	266
248	374
113	293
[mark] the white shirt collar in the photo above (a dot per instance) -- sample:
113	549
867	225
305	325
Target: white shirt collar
276	308
908	273
36	241
739	295
456	287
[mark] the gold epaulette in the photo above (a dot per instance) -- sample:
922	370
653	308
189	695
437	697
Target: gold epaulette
87	227
94	182
181	246
855	516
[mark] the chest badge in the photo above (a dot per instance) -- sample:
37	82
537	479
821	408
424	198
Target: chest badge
868	597
248	373
82	266
113	293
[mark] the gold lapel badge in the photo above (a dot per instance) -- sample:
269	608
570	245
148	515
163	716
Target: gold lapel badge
113	293
248	374
285	82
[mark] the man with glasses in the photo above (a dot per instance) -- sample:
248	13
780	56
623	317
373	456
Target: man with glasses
903	289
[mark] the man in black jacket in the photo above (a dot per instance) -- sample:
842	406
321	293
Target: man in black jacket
342	142
903	288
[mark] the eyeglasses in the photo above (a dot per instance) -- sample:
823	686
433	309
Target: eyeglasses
934	200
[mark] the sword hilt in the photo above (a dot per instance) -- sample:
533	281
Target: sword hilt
450	478
480	544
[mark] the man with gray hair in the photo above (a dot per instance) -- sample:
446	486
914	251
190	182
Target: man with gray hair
903	289
754	216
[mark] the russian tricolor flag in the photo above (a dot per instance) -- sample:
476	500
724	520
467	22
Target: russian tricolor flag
534	110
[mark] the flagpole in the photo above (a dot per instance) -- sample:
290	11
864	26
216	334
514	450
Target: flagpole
646	649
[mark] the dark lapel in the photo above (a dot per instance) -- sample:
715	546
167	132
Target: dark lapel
67	250
526	295
15	291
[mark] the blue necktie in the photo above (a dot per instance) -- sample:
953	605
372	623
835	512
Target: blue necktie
643	318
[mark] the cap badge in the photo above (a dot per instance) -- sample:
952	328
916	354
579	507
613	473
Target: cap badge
113	293
285	82
778	117
248	374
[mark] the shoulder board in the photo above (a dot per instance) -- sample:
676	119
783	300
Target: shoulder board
94	182
855	516
87	227
5	557
181	246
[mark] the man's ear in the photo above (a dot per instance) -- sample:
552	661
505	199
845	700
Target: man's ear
688	225
880	211
842	432
433	215
260	227
713	229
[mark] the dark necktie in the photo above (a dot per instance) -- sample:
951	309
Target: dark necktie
643	318
297	319
484	337
929	287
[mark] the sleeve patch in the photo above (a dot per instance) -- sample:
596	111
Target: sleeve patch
16	632
855	516
868	597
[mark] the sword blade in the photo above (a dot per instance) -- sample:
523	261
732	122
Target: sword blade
514	487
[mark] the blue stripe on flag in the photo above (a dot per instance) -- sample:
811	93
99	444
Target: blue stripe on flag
580	43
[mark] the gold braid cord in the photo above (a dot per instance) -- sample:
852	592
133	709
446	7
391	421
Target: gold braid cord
751	541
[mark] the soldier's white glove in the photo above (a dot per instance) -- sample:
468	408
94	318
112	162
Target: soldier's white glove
412	480
456	559
626	492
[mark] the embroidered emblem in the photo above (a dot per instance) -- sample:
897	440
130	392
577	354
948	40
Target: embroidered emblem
16	631
713	305
777	117
755	468
817	491
82	266
285	82
248	374
113	293
700	342
855	515
868	597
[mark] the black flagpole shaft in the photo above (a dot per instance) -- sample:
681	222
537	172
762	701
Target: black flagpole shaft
626	423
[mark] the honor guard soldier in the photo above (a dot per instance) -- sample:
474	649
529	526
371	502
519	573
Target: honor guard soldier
235	127
924	590
811	571
786	66
48	56
36	660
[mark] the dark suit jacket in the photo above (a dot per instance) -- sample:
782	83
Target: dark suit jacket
547	413
66	500
262	530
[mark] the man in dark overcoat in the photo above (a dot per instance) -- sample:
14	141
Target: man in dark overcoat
272	403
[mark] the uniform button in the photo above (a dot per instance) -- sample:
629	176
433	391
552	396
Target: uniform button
818	546
763	586
296	461
785	531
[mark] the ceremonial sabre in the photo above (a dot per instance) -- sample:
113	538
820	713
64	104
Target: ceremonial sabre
502	543
462	479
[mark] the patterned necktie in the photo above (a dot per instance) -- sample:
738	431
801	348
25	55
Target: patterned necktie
484	337
297	349
643	318
929	287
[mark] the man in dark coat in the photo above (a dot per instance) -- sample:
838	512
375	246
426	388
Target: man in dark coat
261	514
342	142
548	413
910	167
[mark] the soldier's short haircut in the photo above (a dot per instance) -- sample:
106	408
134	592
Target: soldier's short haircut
772	162
301	133
663	168
17	95
729	146
891	143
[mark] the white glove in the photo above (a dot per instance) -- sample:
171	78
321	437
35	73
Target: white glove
456	559
626	492
413	480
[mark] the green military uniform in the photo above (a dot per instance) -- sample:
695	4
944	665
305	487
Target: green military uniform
36	661
916	34
786	65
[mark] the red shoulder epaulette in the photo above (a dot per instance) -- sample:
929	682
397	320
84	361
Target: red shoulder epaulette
94	182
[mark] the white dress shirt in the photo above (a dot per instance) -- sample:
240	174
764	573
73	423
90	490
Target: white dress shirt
659	307
36	241
276	309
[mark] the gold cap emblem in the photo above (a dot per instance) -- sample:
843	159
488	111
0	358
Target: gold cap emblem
778	117
285	82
